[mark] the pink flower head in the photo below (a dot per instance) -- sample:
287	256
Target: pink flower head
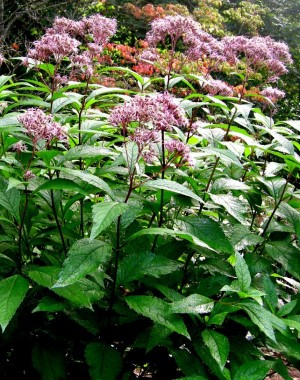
19	147
65	25
173	26
274	94
101	28
28	175
38	125
161	110
54	45
218	87
179	150
2	59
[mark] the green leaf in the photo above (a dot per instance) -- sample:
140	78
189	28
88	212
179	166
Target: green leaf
140	264
60	184
291	215
275	186
47	276
241	237
208	231
286	254
233	205
174	187
62	102
260	317
158	311
84	257
225	155
49	304
287	308
242	272
188	363
224	184
218	346
193	304
89	178
12	292
49	362
106	90
253	370
131	153
105	363
85	151
104	214
10	199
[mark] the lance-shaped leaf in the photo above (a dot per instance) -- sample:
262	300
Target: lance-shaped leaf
224	184
89	178
85	151
225	155
12	292
218	346
47	276
49	362
60	184
131	153
242	272
104	214
84	257
158	311
174	187
10	199
105	362
253	370
193	304
274	185
233	205
140	264
291	215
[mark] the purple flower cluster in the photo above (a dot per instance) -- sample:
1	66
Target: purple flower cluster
2	59
259	52
274	94
218	87
38	126
161	110
178	149
65	36
19	147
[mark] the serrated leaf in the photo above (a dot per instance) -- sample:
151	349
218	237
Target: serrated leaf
157	335
47	276
287	308
286	254
84	257
253	370
242	273
233	205
241	237
208	231
275	186
104	214
291	215
218	346
188	363
61	102
193	304
10	199
138	265
60	184
174	187
130	153
49	304
89	178
85	151
225	155
12	292
105	362
260	317
49	362
224	184
212	135
106	90
158	311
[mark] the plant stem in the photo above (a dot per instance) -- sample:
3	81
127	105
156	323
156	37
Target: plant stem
21	227
57	222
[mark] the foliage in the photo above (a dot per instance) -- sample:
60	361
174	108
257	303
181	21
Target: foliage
145	233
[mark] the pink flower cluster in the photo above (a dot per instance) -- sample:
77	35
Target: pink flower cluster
65	36
274	94
153	114
38	126
161	110
179	150
218	87
259	52
2	59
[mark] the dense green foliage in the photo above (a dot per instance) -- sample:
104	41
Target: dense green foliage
148	228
